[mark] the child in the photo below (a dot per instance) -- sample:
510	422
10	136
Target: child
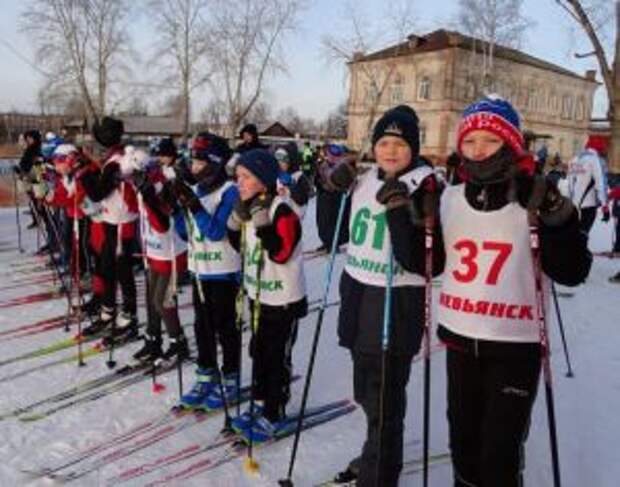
381	198
215	265
487	306
69	195
292	183
273	243
166	253
119	207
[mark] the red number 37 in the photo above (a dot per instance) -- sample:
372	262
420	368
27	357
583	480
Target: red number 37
469	252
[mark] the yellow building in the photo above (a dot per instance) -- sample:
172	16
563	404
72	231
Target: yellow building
438	74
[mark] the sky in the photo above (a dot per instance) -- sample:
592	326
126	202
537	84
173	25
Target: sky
312	86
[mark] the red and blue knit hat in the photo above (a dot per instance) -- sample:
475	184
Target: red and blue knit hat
495	115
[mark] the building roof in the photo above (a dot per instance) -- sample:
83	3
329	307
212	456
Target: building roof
442	39
151	125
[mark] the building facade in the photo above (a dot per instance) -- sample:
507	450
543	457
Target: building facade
439	74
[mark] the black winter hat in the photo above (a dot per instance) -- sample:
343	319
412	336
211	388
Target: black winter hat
33	134
108	132
400	121
250	128
166	147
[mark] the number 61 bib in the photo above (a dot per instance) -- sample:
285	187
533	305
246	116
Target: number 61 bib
488	290
369	235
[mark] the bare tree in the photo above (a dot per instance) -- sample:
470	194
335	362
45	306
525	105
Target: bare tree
245	37
80	43
596	19
259	114
182	48
214	115
492	22
362	36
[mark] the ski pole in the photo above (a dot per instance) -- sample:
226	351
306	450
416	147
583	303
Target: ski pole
76	267
569	371
239	309
385	347
545	349
250	465
17	220
288	482
428	299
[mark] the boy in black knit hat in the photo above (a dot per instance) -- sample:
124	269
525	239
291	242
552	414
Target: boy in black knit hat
377	196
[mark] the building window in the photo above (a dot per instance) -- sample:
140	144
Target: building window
567	106
424	89
422	130
579	110
372	94
397	90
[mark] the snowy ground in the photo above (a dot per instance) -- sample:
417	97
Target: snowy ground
588	421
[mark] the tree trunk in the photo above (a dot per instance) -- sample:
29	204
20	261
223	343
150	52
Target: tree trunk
614	105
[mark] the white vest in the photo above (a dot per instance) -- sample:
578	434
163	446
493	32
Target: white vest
280	284
205	256
369	234
161	246
488	290
114	208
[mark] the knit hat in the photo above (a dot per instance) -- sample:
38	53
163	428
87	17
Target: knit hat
108	132
249	128
65	154
495	115
261	164
400	121
166	147
210	147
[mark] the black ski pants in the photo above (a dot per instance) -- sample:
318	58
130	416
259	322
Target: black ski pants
367	393
214	321
489	405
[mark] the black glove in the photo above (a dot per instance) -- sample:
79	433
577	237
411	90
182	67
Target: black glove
186	196
393	194
606	215
342	176
141	181
426	200
241	211
259	210
536	193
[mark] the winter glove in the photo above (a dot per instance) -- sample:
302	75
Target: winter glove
342	177
426	201
141	181
393	194
606	215
241	212
285	178
536	193
259	210
186	196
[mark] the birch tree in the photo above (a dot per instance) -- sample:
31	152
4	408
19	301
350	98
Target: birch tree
182	48
599	19
490	23
81	44
361	36
245	41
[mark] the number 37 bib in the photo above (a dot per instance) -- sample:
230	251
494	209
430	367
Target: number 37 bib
488	290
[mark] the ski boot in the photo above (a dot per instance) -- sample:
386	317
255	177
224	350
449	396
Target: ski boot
101	324
229	385
150	351
206	381
263	429
126	330
177	350
615	279
92	307
243	422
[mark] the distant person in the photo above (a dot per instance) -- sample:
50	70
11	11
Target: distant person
587	183
249	139
557	172
32	154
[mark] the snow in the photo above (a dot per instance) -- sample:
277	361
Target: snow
588	423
